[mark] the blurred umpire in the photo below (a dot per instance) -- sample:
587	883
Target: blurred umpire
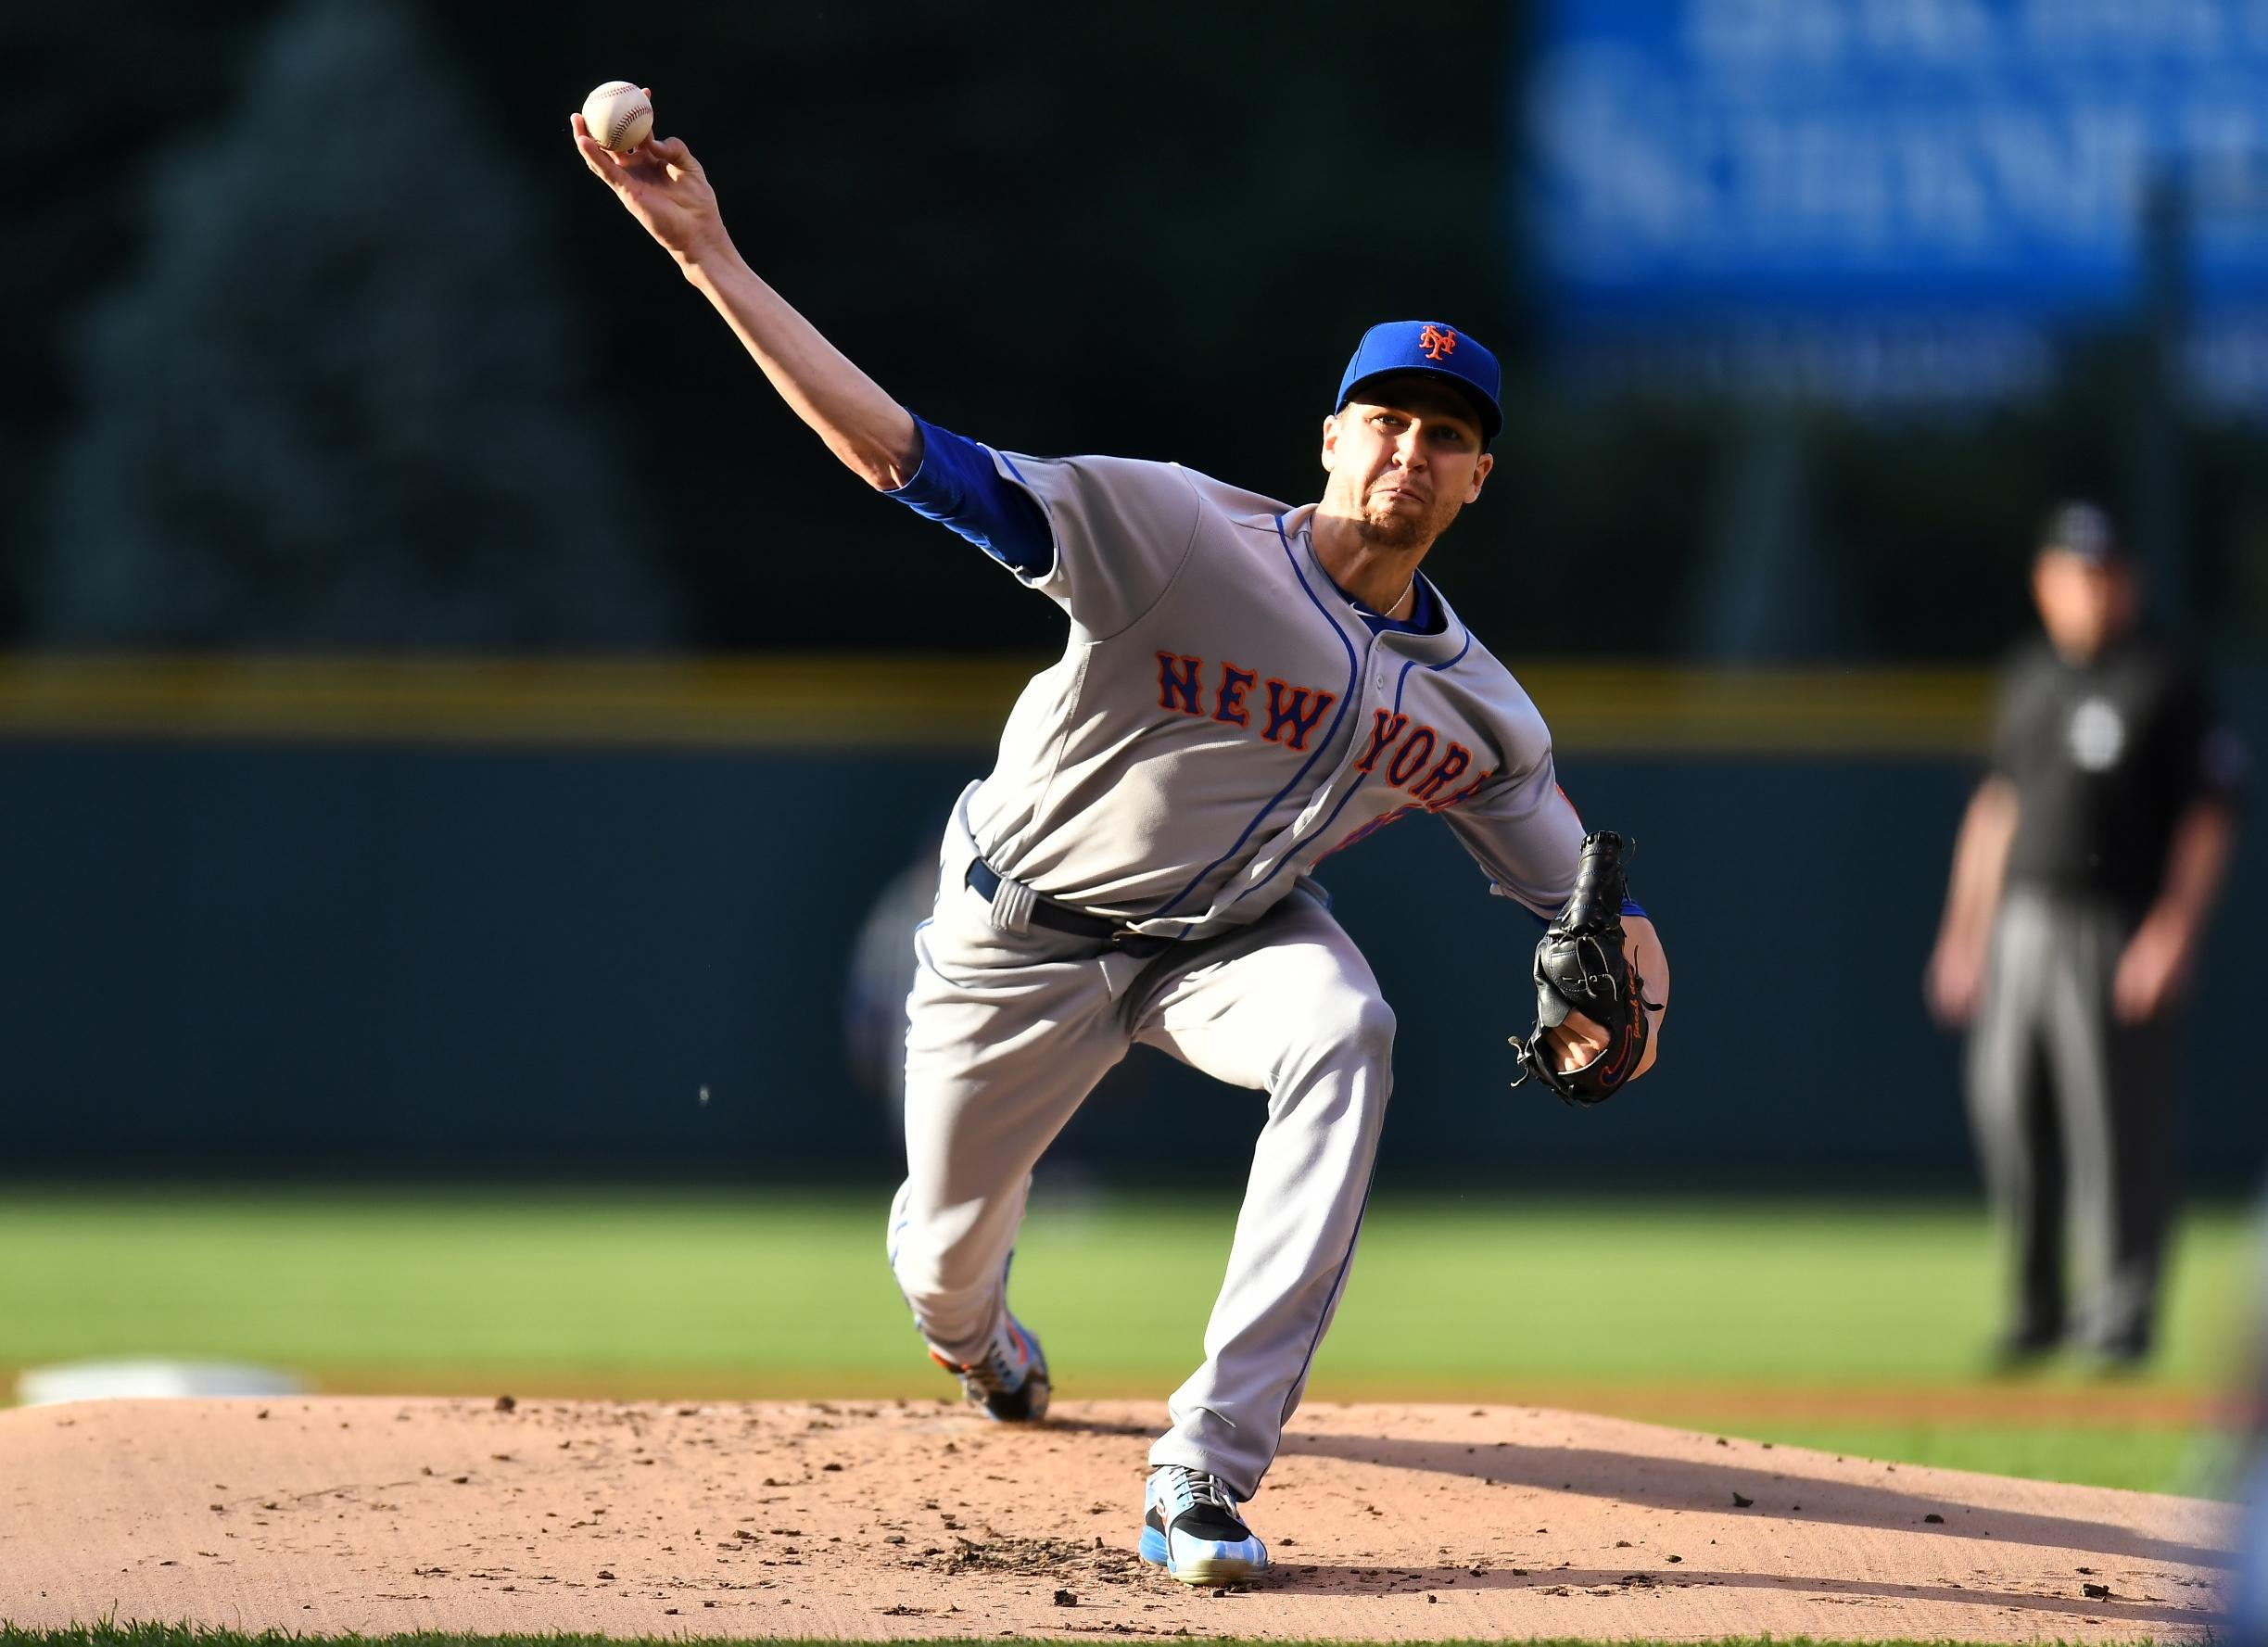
2084	875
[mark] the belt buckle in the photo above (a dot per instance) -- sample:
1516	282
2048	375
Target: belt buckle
1126	941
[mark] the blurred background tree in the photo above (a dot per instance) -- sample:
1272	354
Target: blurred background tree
340	400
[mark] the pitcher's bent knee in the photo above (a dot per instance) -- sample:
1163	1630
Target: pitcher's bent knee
949	1266
1343	1030
1356	1027
1372	1030
950	1311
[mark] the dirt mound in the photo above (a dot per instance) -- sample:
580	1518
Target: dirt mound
908	1520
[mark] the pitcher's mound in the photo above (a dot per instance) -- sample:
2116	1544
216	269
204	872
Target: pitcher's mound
880	1521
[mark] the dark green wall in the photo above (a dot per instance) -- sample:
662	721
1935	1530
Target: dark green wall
223	958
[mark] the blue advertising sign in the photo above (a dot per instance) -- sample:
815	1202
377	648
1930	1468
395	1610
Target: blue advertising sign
1892	158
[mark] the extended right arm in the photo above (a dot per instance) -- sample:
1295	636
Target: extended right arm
1103	538
663	187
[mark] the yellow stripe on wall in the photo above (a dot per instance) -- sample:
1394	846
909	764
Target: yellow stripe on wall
858	702
1679	709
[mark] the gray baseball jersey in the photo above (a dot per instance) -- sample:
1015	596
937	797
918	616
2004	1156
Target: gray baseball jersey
1222	720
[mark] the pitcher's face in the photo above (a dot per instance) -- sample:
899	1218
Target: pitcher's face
1403	457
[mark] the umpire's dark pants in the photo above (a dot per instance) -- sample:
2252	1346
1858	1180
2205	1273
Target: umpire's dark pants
2073	1119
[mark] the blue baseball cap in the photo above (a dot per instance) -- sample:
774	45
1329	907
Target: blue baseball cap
1435	350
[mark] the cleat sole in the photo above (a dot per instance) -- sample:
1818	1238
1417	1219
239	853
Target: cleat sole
1206	1572
1213	1571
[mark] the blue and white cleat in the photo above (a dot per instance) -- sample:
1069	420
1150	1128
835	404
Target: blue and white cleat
1190	1527
1010	1384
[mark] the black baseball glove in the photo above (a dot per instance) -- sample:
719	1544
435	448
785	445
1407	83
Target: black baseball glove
1580	967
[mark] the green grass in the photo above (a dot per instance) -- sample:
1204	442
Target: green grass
1695	1313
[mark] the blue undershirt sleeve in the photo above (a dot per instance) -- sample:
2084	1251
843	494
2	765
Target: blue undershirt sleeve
958	486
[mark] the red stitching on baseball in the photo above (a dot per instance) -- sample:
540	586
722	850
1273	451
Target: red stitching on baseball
621	123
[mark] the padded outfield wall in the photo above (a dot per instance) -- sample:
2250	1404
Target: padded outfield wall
472	918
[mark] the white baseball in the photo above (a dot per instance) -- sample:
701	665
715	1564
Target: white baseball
618	115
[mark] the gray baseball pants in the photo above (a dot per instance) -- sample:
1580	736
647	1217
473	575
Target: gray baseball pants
2073	1117
1009	1033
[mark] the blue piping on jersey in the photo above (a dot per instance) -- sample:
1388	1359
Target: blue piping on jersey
1331	1298
1354	677
1400	681
1448	663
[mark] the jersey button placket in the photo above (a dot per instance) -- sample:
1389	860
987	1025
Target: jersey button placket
1325	795
1374	699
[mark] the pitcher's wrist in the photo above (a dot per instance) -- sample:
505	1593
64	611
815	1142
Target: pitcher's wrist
709	256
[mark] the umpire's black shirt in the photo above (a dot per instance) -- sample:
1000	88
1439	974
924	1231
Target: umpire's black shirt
2105	757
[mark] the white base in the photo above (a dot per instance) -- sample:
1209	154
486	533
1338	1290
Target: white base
105	1380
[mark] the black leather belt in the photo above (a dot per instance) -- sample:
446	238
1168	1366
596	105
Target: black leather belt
1061	917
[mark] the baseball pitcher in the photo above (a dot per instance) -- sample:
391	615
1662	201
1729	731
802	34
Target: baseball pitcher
1247	687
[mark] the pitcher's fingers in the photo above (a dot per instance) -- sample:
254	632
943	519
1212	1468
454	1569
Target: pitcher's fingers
1580	1044
672	153
1580	1027
600	159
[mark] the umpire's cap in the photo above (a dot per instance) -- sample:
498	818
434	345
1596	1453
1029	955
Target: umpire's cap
1436	349
2082	530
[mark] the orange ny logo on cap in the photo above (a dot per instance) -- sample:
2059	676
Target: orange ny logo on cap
1437	341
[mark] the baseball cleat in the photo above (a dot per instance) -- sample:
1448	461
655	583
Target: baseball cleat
1009	1385
1190	1527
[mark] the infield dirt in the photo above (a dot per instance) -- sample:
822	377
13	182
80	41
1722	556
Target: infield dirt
894	1521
